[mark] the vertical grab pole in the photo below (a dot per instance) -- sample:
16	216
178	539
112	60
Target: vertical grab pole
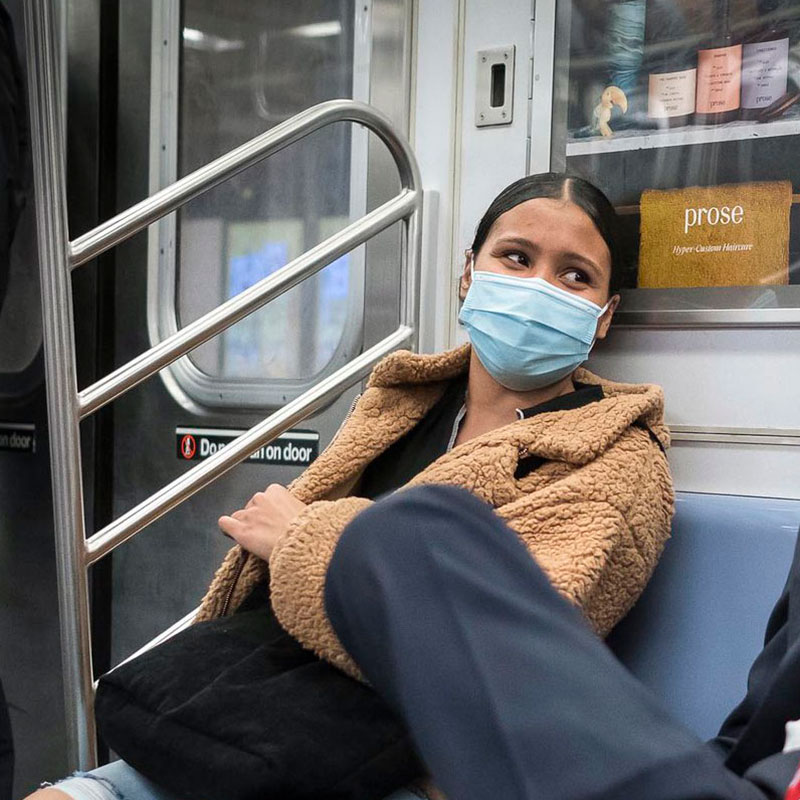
410	273
47	141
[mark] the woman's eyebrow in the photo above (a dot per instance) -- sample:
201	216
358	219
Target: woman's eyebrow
519	241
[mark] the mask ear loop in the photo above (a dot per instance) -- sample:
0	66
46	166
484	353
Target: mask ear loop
471	256
602	311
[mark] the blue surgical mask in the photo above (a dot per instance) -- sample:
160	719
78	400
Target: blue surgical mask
527	332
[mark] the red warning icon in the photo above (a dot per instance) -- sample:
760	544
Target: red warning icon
188	447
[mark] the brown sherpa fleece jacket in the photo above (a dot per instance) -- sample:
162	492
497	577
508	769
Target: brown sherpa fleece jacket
595	515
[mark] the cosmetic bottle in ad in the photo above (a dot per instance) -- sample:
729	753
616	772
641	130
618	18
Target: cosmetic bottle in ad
765	61
719	72
671	67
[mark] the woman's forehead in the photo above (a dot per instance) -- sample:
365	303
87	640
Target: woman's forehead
552	223
560	213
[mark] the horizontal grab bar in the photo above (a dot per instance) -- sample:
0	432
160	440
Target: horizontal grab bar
223	316
222	461
134	219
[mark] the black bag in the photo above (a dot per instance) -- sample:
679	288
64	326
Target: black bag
236	709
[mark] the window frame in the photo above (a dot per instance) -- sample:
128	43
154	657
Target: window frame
191	387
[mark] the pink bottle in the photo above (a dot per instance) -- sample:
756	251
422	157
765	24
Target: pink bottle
719	73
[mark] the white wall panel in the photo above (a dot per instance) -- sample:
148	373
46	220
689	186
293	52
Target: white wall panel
434	141
745	378
752	470
490	157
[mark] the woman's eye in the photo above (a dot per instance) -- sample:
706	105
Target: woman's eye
518	258
576	276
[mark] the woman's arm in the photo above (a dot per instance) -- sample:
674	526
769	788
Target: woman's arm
298	566
298	562
599	532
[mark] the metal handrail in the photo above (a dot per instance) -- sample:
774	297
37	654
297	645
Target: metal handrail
215	466
66	406
139	216
238	307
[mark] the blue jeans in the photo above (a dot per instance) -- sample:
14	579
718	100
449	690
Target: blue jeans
120	781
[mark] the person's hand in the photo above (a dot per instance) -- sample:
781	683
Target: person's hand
258	526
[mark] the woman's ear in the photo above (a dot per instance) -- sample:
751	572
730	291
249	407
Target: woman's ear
604	323
466	276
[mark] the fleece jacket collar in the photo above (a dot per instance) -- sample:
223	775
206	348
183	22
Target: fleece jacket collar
405	386
576	435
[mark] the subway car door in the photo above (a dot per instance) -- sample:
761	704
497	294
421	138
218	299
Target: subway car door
152	93
194	82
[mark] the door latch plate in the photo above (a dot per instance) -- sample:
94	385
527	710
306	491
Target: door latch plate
494	95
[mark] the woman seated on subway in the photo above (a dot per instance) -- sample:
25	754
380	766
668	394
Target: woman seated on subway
573	463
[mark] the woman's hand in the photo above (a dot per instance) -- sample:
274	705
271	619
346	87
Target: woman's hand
258	526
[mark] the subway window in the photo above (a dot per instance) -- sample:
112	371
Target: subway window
20	302
20	311
238	75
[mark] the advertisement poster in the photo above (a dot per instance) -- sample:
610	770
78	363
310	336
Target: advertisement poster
730	235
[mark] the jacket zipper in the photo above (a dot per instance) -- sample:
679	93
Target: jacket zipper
346	419
239	568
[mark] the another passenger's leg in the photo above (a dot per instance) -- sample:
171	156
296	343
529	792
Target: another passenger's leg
507	692
115	781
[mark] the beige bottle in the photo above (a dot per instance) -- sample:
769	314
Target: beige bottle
671	68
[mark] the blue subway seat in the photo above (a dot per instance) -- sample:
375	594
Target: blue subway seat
696	629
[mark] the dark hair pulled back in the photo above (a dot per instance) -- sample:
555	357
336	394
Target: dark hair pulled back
557	186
